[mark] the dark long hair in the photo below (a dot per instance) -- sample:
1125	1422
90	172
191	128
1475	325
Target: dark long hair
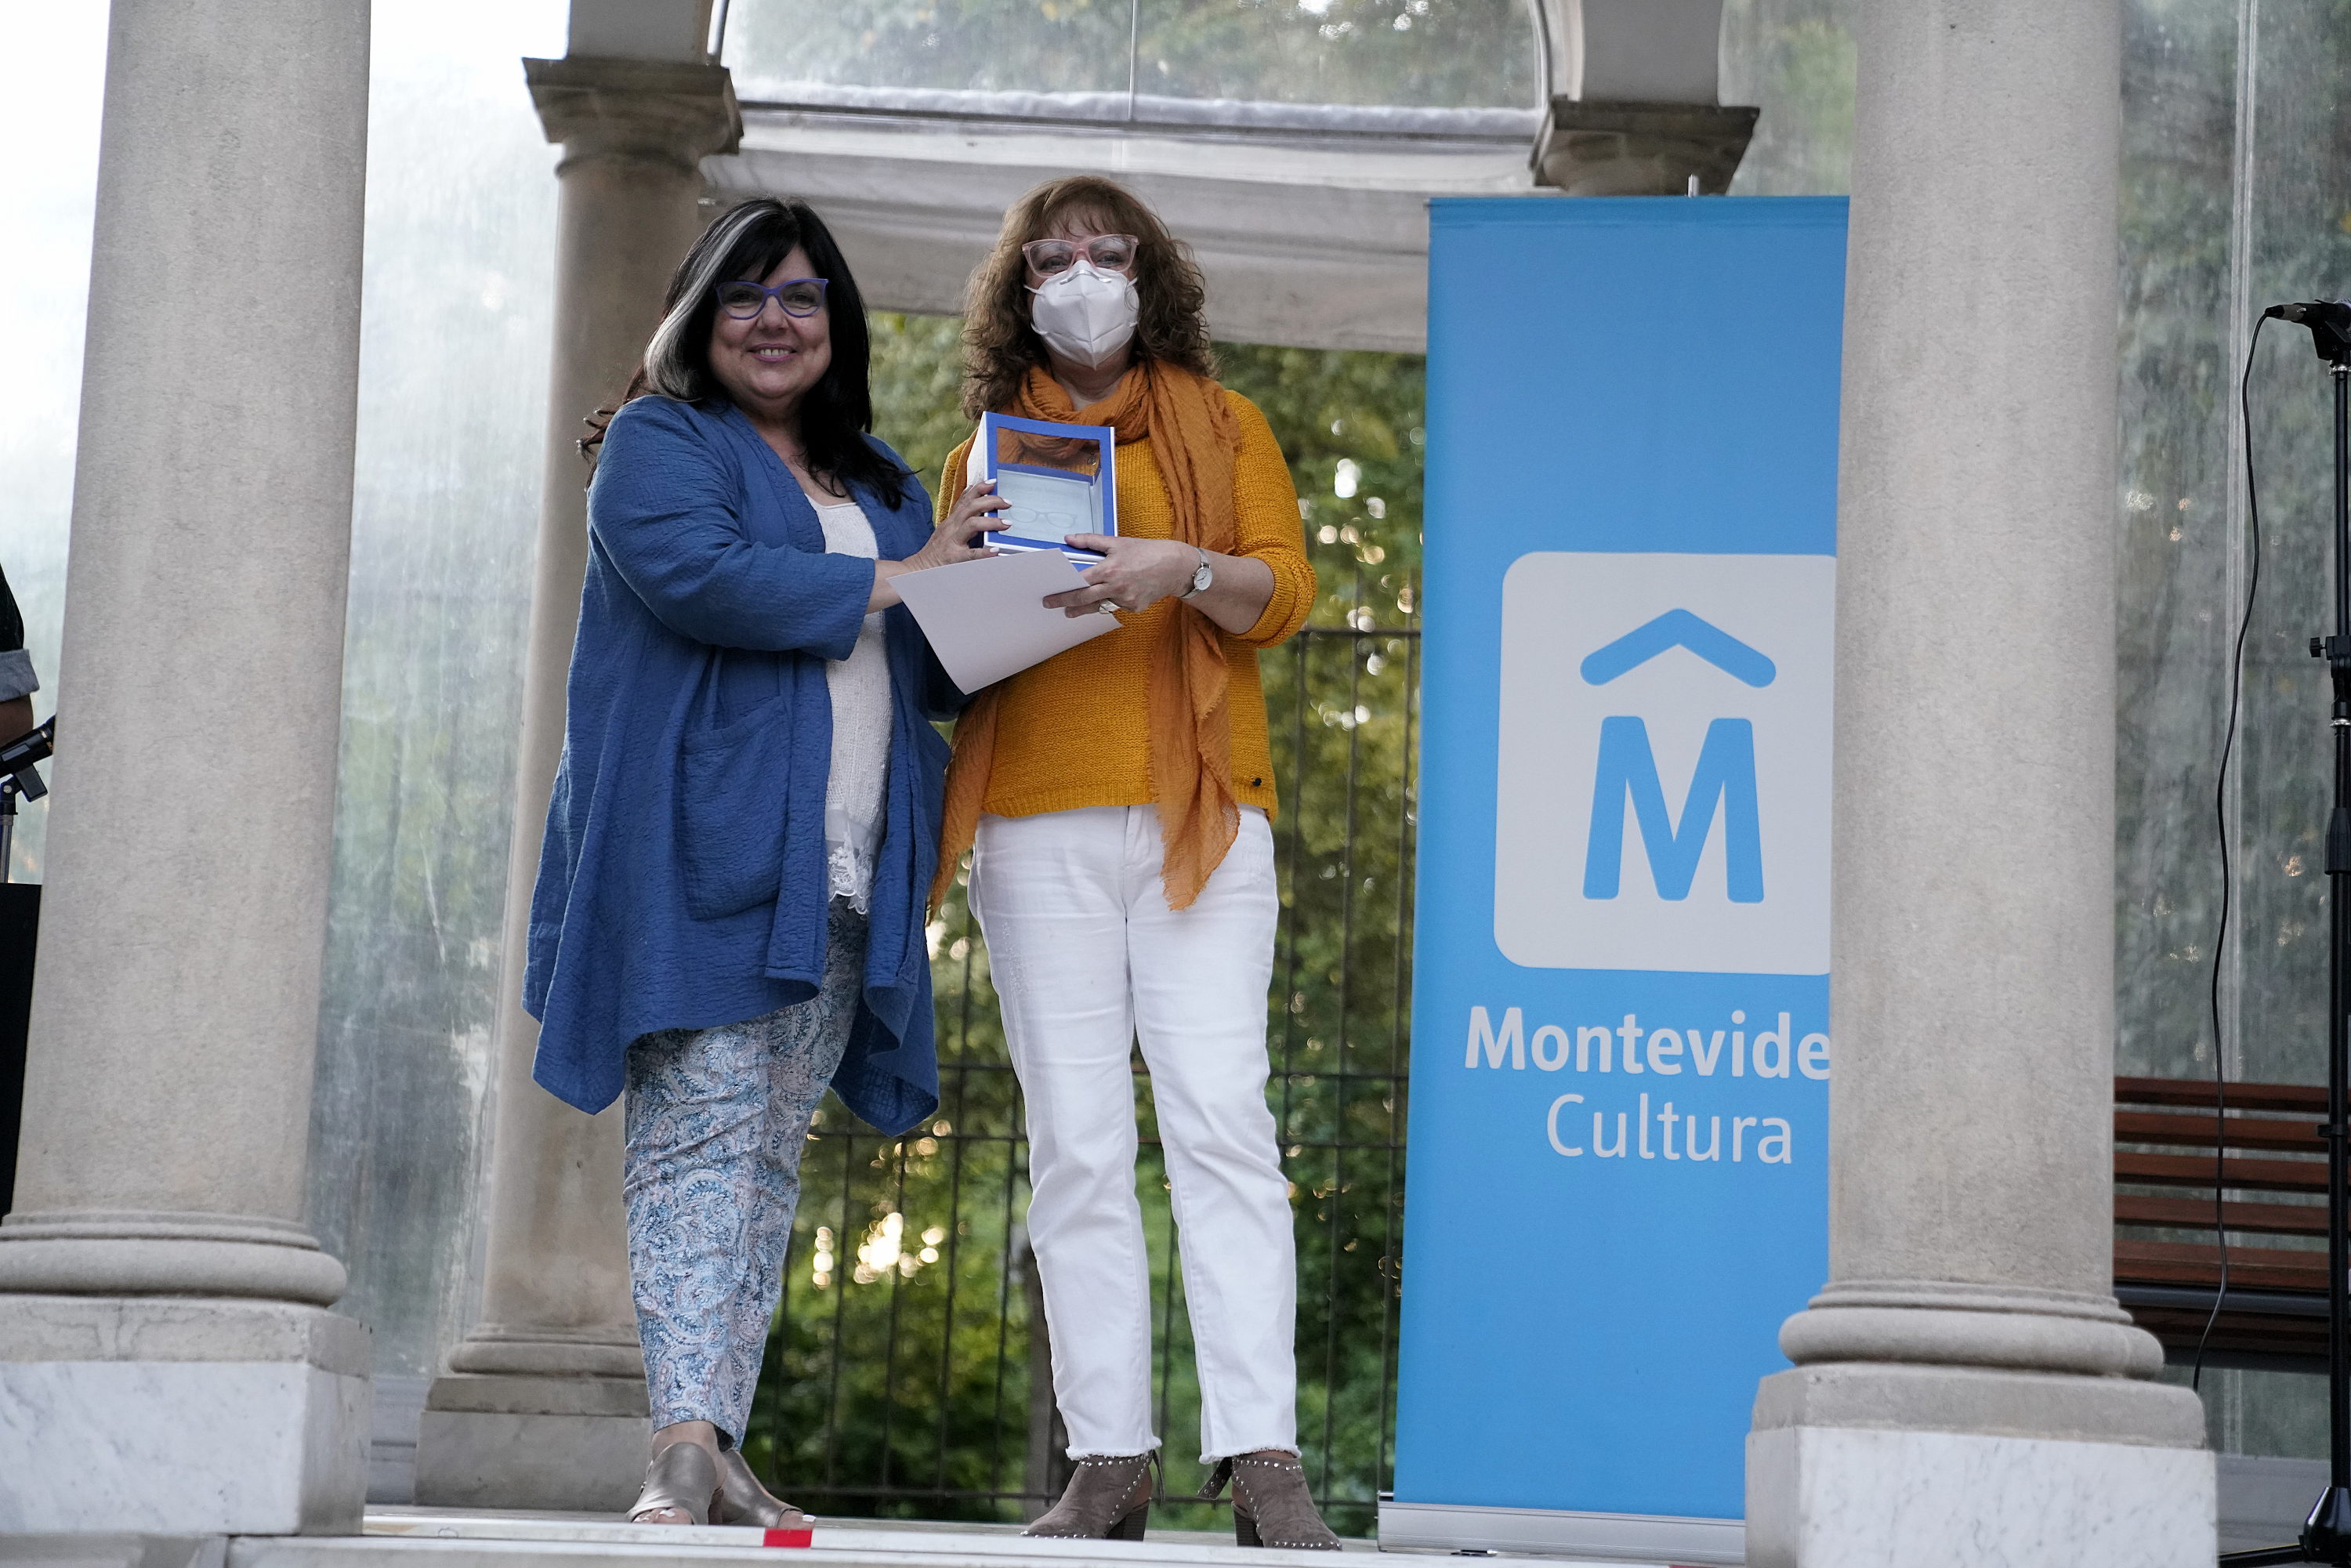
750	241
998	343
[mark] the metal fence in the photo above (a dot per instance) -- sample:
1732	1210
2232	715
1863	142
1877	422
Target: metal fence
909	1374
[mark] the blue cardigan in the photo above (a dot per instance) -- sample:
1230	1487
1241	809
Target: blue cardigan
682	883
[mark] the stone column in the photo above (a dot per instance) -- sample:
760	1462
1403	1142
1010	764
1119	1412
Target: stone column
1966	1390
166	1361
544	1403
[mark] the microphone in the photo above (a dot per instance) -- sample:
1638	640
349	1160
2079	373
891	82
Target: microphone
2313	313
19	757
2329	322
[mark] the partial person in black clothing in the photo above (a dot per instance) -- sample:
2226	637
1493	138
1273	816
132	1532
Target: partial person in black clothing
20	905
17	682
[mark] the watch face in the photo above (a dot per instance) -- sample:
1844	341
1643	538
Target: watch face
1202	577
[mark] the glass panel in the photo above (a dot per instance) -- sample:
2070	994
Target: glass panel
1003	46
2177	554
52	81
1425	53
2211	230
1793	59
2299	250
453	377
1416	53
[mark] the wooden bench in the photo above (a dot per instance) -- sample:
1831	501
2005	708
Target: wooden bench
2167	1258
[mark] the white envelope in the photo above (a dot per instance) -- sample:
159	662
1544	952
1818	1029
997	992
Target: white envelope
987	619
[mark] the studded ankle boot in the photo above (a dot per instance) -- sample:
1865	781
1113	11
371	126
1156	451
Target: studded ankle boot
1271	1505
1108	1498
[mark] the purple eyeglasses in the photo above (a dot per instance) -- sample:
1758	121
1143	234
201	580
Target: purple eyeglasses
798	296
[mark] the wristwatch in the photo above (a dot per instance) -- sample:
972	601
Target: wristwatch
1200	579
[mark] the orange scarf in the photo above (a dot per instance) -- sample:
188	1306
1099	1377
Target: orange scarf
1196	441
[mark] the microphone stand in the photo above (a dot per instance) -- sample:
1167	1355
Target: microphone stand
20	917
2327	1533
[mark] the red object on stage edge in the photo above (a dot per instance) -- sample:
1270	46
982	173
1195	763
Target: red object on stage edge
789	1538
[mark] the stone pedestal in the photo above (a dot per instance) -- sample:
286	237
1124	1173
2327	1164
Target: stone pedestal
219	1418
1864	1466
1966	1390
544	1405
165	1361
571	1441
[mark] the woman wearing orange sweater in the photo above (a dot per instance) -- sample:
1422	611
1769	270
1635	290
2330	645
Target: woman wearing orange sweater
1117	801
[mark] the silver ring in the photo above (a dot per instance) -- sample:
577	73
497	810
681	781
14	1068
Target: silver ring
1107	606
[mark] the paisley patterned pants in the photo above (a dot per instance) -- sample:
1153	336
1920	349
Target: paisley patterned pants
716	1119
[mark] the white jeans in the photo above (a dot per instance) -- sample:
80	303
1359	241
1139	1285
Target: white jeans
1088	958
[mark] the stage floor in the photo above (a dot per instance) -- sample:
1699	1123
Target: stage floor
461	1538
399	1537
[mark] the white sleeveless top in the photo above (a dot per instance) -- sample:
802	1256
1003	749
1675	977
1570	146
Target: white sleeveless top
859	686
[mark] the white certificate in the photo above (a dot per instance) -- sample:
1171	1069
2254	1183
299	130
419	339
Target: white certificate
1045	507
987	619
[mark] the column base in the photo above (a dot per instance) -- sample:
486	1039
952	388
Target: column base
180	1416
1881	1466
101	1253
571	1443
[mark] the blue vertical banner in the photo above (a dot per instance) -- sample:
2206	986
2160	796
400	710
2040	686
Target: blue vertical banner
1617	1186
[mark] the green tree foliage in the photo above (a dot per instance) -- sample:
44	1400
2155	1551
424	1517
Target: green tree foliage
1351	425
917	370
899	1380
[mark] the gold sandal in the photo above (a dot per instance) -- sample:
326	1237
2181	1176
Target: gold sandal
681	1477
743	1500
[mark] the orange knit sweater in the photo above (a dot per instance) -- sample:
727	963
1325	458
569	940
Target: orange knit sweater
1075	730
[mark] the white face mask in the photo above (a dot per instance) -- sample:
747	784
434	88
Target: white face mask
1085	315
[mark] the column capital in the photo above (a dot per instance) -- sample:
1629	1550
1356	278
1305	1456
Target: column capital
679	113
1596	149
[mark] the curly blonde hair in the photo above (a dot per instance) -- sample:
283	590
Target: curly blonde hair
998	343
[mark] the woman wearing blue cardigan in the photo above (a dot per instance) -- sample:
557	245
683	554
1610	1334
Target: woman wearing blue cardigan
729	910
